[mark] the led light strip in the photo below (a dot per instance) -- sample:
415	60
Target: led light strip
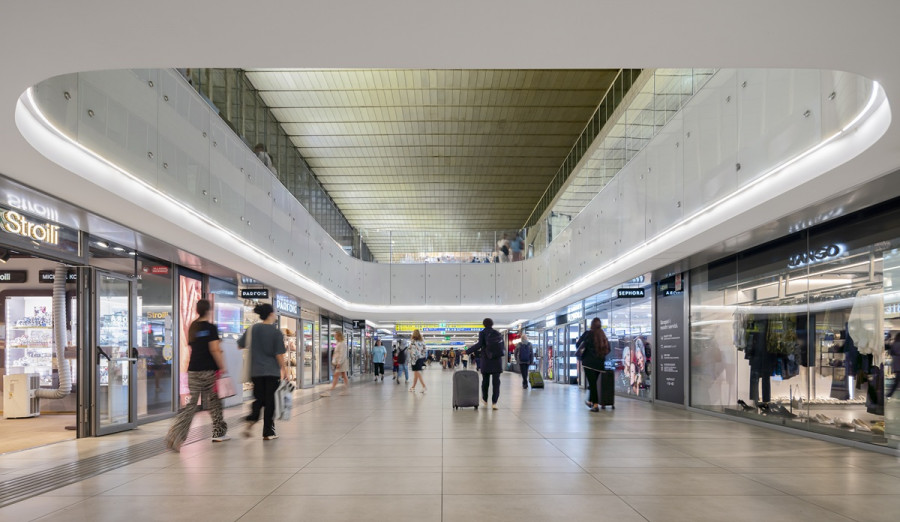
639	252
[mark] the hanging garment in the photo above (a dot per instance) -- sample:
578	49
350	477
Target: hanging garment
866	324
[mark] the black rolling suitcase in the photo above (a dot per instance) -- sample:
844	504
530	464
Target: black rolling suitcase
606	389
465	389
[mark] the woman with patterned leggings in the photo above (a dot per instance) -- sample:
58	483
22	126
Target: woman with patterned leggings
206	360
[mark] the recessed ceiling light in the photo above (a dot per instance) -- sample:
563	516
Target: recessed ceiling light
102	244
118	249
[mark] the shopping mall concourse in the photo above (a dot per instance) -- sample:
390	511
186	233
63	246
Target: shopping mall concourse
508	260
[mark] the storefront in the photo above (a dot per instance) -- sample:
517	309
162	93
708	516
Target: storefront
288	309
309	358
801	331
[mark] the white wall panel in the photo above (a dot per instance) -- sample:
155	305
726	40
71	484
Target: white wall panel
408	285
710	138
633	193
377	283
282	221
299	240
442	283
59	110
510	283
779	117
478	283
535	278
314	260
665	177
226	186
257	204
841	95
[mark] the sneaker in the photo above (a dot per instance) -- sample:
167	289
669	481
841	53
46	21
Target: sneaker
595	408
589	404
325	394
382	378
494	406
270	437
483	402
223	438
248	428
376	379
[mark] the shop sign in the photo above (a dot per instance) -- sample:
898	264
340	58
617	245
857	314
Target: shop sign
549	321
574	312
637	280
818	255
156	270
287	304
157	315
249	281
13	276
629	293
31	207
48	276
358	324
670	352
224	292
15	223
254	293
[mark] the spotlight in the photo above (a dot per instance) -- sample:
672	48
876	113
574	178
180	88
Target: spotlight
4	257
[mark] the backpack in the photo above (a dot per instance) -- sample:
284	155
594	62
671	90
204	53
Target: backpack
505	250
401	355
525	353
493	348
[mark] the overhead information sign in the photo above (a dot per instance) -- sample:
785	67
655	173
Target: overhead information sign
438	327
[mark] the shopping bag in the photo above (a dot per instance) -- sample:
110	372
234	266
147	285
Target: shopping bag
246	375
224	386
284	399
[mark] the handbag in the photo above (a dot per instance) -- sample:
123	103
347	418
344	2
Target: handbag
224	386
246	375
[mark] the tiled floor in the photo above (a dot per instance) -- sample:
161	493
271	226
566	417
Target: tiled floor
382	453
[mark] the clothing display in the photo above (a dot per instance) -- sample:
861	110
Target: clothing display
866	324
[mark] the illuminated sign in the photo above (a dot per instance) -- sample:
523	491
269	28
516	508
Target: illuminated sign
549	320
15	223
438	327
287	304
629	293
818	255
32	207
13	276
156	269
157	315
254	293
574	312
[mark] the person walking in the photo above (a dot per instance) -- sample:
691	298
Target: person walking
379	352
594	347
206	359
341	364
525	357
267	365
402	355
490	348
464	357
418	353
394	360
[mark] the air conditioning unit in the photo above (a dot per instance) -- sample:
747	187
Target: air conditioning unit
19	395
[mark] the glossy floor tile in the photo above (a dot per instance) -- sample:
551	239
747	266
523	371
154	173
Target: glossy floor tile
382	452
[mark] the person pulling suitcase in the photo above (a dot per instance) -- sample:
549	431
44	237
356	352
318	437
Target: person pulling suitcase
525	357
591	349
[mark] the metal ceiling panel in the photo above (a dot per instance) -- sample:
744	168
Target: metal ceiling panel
433	152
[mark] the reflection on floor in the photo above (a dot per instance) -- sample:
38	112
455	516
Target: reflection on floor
381	452
20	434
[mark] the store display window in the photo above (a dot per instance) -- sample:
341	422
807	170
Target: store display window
156	340
799	331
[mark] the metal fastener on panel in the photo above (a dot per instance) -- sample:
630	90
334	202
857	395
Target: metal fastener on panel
728	99
807	113
744	83
678	204
242	218
150	155
90	113
215	200
250	177
248	222
737	166
67	96
205	193
165	97
688	134
150	83
216	145
832	95
204	134
165	165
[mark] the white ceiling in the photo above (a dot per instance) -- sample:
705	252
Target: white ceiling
433	150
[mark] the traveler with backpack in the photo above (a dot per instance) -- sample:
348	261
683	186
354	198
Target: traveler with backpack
525	357
490	346
402	353
593	347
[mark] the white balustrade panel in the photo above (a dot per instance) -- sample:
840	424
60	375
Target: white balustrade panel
742	123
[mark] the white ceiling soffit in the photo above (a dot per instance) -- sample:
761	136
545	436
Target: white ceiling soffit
433	150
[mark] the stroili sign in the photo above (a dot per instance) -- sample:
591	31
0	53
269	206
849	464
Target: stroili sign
15	223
